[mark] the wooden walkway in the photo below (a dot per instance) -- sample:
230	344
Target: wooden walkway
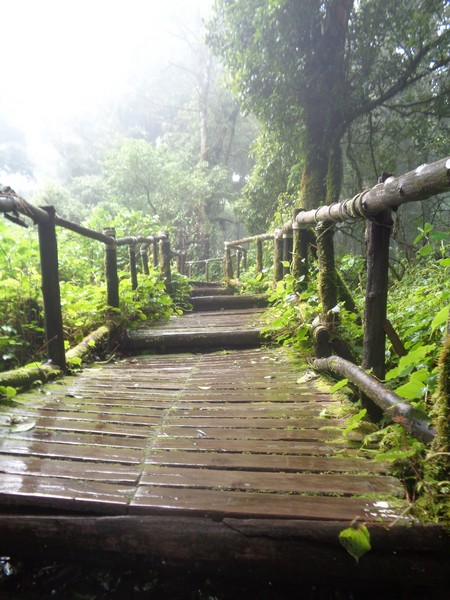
214	439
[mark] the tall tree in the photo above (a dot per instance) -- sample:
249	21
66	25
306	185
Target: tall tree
317	66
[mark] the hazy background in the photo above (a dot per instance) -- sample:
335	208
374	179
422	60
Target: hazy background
71	60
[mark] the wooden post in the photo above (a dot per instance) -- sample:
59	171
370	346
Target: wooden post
133	269
327	274
48	249
244	264
155	254
228	264
277	256
164	260
144	257
287	252
181	260
238	263
259	256
206	270
378	234
112	279
298	261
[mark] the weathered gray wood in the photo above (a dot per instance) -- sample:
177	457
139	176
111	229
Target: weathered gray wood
422	183
84	231
412	419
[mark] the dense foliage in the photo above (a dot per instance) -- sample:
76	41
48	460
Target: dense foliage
83	289
324	76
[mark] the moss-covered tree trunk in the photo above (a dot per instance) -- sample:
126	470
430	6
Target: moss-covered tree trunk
438	463
325	124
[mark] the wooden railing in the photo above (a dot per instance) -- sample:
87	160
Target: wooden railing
375	205
290	247
46	219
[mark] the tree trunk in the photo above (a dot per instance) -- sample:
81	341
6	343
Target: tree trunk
438	464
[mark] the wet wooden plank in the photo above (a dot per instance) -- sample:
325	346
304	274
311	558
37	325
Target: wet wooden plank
230	433
56	493
78	438
346	485
254	462
246	446
70	469
237	420
22	447
214	503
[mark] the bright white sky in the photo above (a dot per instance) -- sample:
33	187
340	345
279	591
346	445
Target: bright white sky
61	57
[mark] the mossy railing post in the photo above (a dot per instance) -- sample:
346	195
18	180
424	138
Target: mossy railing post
438	464
228	264
278	256
133	268
238	262
259	256
143	251
244	259
48	249
327	273
181	263
207	270
287	253
378	234
112	278
299	252
164	260
155	254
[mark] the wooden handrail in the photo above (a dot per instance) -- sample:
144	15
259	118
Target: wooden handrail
375	205
47	219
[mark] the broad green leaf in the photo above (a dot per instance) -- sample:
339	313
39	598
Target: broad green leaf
7	391
440	318
354	421
445	262
340	384
393	455
420	375
414	357
411	390
426	250
356	540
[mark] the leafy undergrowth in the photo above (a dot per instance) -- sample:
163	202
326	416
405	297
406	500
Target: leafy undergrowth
83	292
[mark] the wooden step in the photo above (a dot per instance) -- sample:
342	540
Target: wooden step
211	291
220	330
183	341
218	302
